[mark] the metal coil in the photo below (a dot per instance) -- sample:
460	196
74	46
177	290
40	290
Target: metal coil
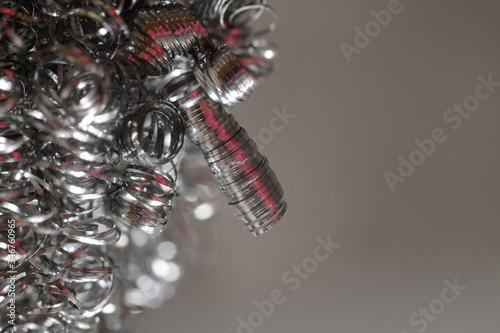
126	78
79	193
163	33
25	198
69	280
94	231
152	134
71	88
96	25
241	172
231	23
145	200
229	13
89	148
255	55
223	77
66	276
80	105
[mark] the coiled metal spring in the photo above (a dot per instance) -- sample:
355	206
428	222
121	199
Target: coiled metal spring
242	173
163	33
223	77
152	134
26	198
145	200
256	55
96	25
231	23
79	105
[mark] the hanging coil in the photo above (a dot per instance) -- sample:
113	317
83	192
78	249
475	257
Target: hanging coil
242	173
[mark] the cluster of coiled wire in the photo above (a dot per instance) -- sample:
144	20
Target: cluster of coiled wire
95	99
235	23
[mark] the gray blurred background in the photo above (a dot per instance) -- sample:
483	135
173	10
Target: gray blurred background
352	122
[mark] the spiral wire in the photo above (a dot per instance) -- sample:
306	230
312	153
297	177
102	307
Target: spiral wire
241	172
152	134
171	31
233	23
96	97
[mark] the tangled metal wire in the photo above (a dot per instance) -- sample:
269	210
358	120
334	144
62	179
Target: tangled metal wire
96	97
